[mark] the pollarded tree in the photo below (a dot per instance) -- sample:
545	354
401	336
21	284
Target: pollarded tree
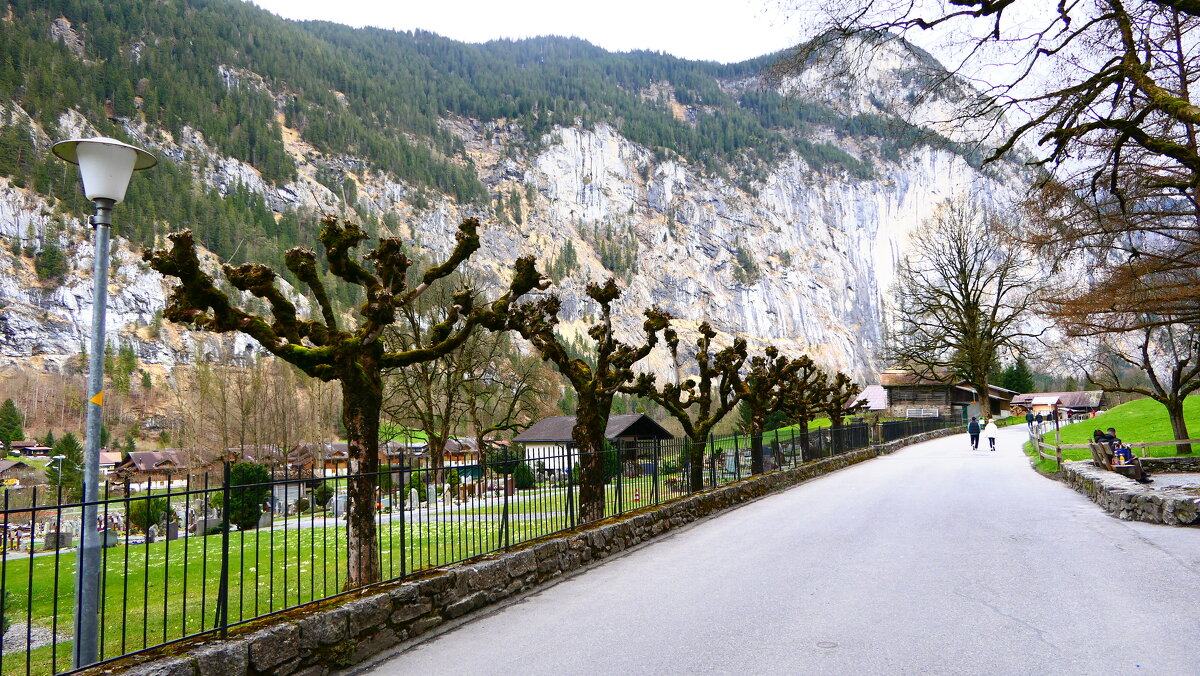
12	425
806	394
763	389
594	384
841	400
697	405
962	297
324	348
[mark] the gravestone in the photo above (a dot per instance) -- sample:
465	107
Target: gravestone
152	534
431	494
264	521
446	493
56	540
412	499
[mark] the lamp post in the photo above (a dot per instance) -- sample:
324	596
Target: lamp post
106	166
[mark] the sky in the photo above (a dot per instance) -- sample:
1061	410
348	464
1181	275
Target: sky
727	31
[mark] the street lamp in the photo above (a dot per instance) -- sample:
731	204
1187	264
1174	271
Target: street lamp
106	165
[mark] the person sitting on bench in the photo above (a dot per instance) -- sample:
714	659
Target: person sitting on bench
1123	455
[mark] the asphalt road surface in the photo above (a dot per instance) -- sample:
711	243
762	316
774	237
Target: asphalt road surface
934	560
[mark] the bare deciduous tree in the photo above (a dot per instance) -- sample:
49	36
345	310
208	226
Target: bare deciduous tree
698	405
595	384
331	349
962	297
1169	357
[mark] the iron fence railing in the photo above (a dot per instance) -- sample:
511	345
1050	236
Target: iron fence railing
198	555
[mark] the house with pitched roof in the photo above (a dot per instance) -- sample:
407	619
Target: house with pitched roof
912	396
1089	401
549	439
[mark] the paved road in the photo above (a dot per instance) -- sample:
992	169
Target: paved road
934	560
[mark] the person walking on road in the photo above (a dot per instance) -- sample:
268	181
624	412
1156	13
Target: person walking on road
973	430
1029	420
990	431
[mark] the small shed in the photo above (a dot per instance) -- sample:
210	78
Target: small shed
549	439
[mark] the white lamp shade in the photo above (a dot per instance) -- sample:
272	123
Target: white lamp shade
105	164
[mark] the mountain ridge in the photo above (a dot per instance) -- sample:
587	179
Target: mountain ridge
728	215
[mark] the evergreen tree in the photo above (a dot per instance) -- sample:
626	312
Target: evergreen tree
50	263
1020	379
67	472
12	425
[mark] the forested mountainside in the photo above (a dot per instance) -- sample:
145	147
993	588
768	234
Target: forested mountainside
699	187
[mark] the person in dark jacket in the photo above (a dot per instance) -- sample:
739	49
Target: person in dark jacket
1122	454
973	430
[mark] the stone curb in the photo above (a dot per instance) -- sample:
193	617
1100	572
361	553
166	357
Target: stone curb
1127	499
323	640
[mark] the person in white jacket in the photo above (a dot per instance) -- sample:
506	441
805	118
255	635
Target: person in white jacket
990	431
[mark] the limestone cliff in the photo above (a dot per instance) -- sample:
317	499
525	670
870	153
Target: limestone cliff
795	255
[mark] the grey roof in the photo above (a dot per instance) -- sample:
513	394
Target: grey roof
1088	399
9	465
558	428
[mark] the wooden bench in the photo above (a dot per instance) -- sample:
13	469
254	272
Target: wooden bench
1102	457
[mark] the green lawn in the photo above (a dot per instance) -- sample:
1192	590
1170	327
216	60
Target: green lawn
1140	420
784	432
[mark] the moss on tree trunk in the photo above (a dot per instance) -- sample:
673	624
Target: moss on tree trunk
362	397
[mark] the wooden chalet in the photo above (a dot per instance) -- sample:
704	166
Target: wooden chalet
153	468
1089	401
911	396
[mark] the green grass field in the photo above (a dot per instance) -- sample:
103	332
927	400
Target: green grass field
1140	420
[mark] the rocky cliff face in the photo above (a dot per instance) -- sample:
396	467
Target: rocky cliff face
799	258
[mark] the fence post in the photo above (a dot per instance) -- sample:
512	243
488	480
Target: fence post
712	462
571	487
737	459
406	471
778	451
223	588
620	451
657	454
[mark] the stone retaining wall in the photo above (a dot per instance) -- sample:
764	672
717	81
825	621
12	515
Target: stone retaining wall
1175	464
323	639
1127	499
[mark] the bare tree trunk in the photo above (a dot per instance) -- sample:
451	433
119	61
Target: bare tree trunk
362	397
757	422
1178	424
589	438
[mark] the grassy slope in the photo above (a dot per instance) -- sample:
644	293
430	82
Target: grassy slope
1141	420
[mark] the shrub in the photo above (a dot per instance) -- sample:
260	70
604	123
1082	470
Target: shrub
504	461
321	496
523	477
245	500
668	465
453	478
301	505
146	512
416	482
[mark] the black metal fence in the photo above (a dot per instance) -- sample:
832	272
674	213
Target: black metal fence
198	555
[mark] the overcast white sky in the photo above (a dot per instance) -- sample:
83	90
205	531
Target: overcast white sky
715	30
